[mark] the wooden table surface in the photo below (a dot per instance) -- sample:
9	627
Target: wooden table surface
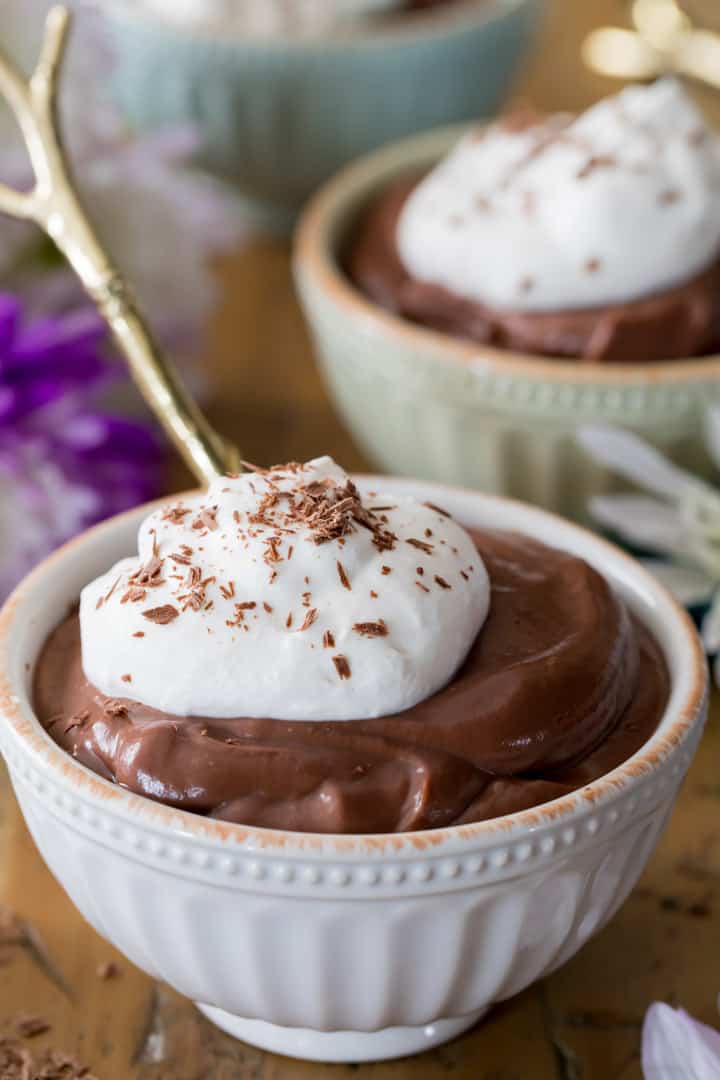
583	1023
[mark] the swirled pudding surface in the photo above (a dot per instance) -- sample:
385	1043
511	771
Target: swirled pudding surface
561	685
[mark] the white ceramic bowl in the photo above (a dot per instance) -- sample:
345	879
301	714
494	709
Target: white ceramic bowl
346	948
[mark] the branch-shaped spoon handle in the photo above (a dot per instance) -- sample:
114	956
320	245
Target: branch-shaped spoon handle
54	205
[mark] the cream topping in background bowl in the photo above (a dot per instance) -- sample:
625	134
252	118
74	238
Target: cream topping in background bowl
286	594
266	18
618	203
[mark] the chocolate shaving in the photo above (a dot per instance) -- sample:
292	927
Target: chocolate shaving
289	620
139	633
27	1027
593	265
421	545
113	707
385	570
438	509
184	560
134	594
207	519
161	615
309	619
594	162
228	591
342	574
342	666
371	629
442	582
175	514
328	640
149	574
108	970
126	678
421	586
267	607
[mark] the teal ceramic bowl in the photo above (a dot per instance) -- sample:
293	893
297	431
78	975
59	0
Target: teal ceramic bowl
279	117
421	403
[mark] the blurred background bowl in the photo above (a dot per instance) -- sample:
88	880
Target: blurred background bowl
279	116
422	403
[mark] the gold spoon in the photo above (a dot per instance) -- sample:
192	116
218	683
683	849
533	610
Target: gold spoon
53	204
666	39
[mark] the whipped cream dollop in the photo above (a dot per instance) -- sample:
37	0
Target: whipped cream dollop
285	594
263	18
619	203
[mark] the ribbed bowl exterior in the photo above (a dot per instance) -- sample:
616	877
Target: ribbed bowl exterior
280	117
390	942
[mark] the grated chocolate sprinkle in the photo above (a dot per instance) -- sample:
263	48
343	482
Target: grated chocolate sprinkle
207	519
328	640
421	545
342	666
595	162
134	594
371	629
161	615
442	582
116	708
309	619
342	574
175	514
438	510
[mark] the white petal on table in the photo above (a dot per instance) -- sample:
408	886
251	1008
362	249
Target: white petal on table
690	586
676	1047
634	459
642	520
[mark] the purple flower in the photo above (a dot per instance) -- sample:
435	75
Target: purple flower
676	1047
64	462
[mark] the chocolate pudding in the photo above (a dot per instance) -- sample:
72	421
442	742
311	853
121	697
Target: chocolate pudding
678	323
560	685
595	238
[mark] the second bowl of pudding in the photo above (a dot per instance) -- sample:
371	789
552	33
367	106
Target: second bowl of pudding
420	395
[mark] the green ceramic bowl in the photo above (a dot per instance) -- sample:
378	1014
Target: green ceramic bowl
279	117
425	404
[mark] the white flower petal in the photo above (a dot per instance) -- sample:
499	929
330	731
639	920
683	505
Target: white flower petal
690	586
712	432
676	1047
716	670
710	630
633	458
640	520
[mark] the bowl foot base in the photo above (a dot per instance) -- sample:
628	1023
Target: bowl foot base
345	1047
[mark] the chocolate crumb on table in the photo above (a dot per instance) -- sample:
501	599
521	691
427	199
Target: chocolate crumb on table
27	1027
107	970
